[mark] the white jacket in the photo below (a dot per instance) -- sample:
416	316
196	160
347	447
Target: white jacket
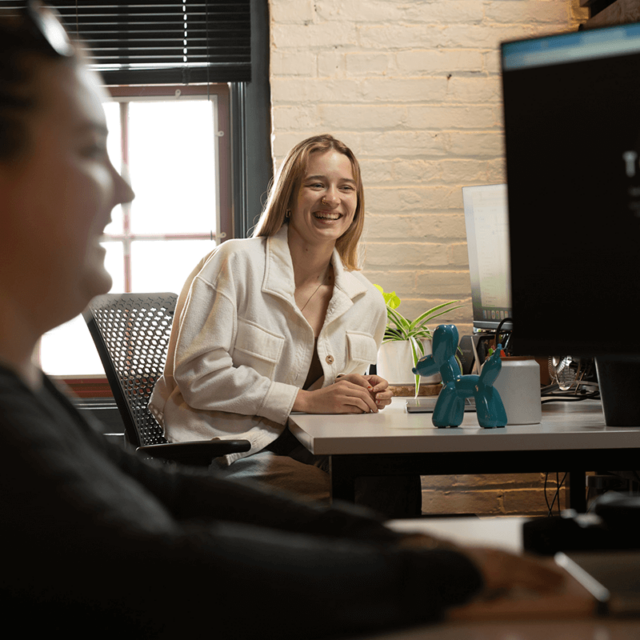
240	349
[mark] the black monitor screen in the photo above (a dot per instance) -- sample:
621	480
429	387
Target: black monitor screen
572	128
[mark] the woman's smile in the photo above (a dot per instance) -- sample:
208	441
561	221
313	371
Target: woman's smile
327	199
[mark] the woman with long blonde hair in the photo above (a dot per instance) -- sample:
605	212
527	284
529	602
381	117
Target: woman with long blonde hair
281	322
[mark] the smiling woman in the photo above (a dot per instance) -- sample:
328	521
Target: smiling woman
63	184
284	322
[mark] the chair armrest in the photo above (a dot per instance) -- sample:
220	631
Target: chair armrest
198	453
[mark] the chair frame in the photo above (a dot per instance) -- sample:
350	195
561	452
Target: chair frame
200	452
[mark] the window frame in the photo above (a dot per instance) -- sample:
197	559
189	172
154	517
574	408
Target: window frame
97	386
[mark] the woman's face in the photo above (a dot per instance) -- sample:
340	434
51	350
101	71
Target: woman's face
59	193
325	204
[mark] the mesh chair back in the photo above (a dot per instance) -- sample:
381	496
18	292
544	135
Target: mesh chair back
131	332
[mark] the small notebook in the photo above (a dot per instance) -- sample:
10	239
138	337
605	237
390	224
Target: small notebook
426	404
612	577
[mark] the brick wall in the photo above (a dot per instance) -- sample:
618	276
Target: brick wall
413	87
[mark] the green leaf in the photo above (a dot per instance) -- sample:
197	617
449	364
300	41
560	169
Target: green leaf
445	307
416	346
400	328
391	299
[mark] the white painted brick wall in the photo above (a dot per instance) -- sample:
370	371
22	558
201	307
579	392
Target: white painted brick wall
413	87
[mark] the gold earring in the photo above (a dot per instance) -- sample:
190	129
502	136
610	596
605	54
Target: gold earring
287	214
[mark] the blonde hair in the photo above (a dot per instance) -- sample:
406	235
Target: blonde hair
287	183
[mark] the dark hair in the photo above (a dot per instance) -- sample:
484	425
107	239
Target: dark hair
20	49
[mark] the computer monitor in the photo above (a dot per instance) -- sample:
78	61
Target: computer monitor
487	224
572	133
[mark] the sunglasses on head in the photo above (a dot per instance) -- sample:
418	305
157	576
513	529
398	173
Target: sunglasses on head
46	23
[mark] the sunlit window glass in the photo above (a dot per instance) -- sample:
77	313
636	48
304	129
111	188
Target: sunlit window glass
154	243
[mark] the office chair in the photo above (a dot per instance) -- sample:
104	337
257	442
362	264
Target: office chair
131	333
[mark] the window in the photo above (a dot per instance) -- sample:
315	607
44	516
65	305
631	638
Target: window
173	144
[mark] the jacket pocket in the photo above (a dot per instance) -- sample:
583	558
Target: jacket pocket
361	348
257	348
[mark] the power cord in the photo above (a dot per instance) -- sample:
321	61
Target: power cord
505	342
559	485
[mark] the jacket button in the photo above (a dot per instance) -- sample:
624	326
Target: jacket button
329	359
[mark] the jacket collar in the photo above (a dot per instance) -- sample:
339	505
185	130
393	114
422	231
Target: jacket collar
278	275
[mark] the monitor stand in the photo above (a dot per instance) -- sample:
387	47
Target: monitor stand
619	384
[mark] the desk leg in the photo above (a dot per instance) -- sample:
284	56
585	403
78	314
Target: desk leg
343	482
577	491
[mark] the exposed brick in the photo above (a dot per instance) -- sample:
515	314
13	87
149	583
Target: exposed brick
485	36
518	11
284	64
370	64
331	64
468	172
396	36
453	117
291	11
393	281
438	61
428	226
457	254
473	90
485	481
314	90
413	254
413	87
359	10
375	172
328	34
390	200
403	90
444	502
405	143
291	117
363	117
475	144
443	283
386	11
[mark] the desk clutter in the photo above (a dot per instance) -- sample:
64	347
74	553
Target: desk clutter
612	523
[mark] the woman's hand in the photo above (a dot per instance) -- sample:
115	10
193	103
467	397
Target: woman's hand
343	396
501	570
378	387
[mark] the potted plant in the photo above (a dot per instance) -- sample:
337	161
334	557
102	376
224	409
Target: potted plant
406	341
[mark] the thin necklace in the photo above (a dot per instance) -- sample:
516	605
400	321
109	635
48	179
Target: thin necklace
316	291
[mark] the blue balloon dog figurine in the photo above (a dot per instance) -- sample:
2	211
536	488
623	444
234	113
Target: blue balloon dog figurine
449	409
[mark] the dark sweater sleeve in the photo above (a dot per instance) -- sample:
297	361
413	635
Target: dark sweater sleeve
94	536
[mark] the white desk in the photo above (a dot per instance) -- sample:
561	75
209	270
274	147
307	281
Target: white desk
571	437
567	620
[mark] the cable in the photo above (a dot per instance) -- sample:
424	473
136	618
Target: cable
591	396
559	485
506	341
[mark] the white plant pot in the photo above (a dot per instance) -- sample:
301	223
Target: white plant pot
395	361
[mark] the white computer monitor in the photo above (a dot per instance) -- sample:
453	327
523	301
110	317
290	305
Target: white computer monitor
487	224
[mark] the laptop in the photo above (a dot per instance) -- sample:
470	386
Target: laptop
427	404
611	577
